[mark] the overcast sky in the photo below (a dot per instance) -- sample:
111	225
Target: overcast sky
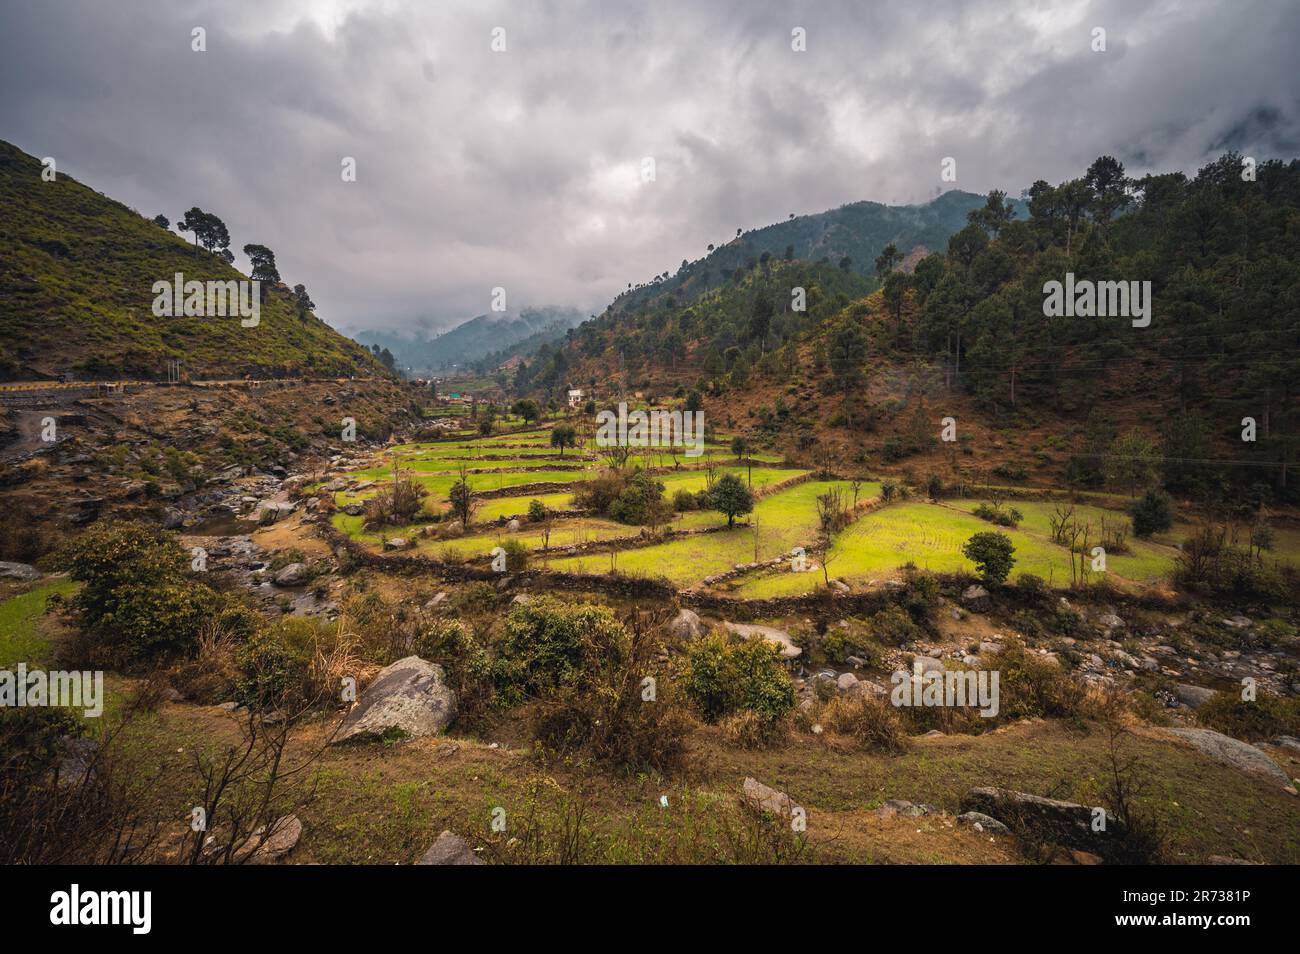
523	168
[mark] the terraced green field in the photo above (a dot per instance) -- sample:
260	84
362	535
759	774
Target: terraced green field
505	464
497	507
563	533
780	522
927	535
931	535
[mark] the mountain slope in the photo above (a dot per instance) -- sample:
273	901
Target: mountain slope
76	279
476	338
859	231
1197	387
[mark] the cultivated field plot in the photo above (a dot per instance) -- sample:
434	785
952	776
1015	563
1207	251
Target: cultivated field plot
930	536
927	535
778	524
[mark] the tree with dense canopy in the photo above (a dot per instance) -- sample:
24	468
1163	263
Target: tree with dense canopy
991	552
263	261
527	409
730	496
564	435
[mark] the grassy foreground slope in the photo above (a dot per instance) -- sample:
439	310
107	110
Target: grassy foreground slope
76	281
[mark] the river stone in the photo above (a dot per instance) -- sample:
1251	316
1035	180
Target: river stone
1235	753
291	575
411	697
450	849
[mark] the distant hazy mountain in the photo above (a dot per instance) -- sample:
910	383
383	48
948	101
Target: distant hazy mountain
472	340
860	231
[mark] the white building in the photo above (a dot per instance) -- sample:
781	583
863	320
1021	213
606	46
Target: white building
575	397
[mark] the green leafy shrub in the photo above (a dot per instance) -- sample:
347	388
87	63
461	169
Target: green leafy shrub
1032	587
517	554
274	667
536	511
599	493
641	503
452	645
725	675
839	644
894	626
1031	687
920	595
547	644
1152	513
585	672
1010	517
139	599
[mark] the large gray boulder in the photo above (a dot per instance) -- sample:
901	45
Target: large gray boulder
1235	753
1063	823
19	571
975	598
411	697
450	849
1193	696
265	846
982	822
292	575
761	798
686	625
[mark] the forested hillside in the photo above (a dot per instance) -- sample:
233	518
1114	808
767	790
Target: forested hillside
966	334
850	237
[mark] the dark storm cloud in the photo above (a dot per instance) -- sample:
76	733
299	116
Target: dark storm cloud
522	169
